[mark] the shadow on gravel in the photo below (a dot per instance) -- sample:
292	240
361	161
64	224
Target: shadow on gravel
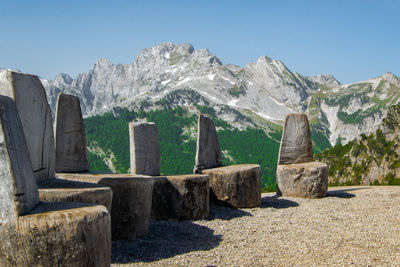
342	193
165	239
225	213
277	203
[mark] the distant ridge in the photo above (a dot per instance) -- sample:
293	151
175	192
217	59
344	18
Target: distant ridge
266	90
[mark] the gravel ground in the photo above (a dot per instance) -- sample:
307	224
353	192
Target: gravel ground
351	226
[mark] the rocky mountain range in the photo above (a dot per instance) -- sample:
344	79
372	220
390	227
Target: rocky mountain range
263	91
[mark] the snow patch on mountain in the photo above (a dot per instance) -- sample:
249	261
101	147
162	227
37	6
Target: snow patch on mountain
265	87
211	76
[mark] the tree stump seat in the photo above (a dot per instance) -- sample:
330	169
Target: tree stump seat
236	186
34	233
297	175
180	197
60	190
131	201
34	111
52	234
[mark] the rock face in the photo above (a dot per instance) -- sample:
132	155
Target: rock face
168	67
144	148
237	186
181	197
131	204
296	174
208	152
71	154
34	111
42	234
308	180
296	146
325	79
370	159
266	88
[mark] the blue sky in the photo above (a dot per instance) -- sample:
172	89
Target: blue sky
352	40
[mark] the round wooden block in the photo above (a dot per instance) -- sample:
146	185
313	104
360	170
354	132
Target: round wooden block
237	186
308	180
181	197
68	234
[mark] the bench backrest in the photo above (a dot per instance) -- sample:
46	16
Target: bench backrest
18	189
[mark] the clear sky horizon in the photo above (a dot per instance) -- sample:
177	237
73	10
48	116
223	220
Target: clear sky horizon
352	40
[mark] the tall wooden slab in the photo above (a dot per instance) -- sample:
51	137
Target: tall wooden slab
71	154
30	98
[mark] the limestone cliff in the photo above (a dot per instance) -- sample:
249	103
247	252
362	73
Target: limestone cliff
371	159
265	89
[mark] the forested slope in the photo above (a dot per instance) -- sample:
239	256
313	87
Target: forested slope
371	159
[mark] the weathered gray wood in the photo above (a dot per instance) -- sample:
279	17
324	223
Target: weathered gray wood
42	234
297	175
181	197
131	204
60	190
58	234
34	111
237	186
208	152
30	98
71	154
144	148
296	145
307	180
18	191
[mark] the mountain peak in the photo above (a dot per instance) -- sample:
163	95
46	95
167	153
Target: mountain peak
62	79
325	79
11	69
273	64
265	58
266	87
103	62
164	49
164	53
389	76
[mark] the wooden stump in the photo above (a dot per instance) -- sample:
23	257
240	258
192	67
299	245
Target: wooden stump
58	234
131	203
237	186
180	197
59	190
308	180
